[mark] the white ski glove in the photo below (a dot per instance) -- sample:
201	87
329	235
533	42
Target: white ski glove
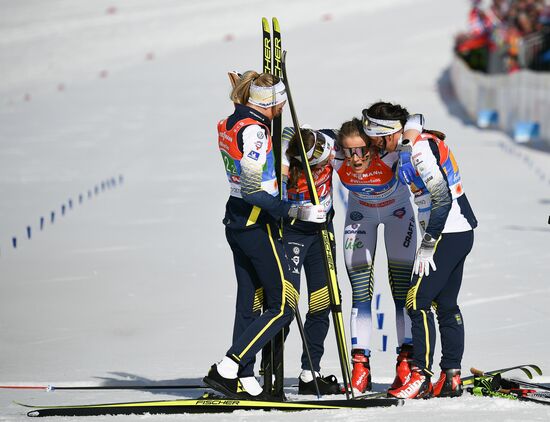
309	212
425	256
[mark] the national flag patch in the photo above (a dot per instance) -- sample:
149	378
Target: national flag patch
254	155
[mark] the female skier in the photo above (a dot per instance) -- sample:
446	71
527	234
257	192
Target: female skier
376	197
447	240
251	230
303	245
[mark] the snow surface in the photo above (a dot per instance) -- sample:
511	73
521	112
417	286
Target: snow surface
112	105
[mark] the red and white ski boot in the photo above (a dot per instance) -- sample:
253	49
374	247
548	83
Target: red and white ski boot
417	386
360	375
403	366
449	384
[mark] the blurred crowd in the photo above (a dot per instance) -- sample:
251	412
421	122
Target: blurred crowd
506	36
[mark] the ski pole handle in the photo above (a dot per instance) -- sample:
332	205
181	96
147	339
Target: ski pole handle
477	372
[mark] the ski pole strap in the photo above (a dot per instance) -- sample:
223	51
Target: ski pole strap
336	308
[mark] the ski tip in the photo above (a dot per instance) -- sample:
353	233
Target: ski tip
536	368
22	404
526	369
276	26
265	24
527	373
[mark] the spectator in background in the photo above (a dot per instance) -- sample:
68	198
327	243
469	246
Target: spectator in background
473	45
493	42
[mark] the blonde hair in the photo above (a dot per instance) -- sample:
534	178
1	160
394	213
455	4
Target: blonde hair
241	92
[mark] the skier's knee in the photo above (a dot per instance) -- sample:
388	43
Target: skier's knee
451	316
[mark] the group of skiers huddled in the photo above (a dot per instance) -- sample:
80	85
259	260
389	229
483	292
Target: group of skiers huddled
384	159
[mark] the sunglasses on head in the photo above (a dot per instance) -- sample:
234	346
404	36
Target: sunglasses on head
319	146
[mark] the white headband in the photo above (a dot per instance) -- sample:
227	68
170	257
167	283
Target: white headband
379	127
327	148
267	96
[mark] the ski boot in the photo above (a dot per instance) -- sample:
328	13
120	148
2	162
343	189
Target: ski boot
360	375
417	386
448	384
327	385
402	367
229	387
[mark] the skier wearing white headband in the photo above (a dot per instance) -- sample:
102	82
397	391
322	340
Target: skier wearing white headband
429	167
267	96
303	247
252	231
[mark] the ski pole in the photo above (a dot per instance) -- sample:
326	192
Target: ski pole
306	348
332	283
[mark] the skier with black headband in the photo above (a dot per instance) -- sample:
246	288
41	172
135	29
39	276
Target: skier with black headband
251	227
430	169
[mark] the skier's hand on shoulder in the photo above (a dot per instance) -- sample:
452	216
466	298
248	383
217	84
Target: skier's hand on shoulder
406	170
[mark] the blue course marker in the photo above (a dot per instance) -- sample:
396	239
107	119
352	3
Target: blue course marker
384	343
62	209
28	232
14	242
80	198
378	301
52	216
526	131
41	223
70	204
487	118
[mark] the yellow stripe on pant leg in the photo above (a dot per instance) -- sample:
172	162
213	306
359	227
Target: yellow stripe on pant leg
292	295
283	299
319	300
258	300
411	295
427	338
